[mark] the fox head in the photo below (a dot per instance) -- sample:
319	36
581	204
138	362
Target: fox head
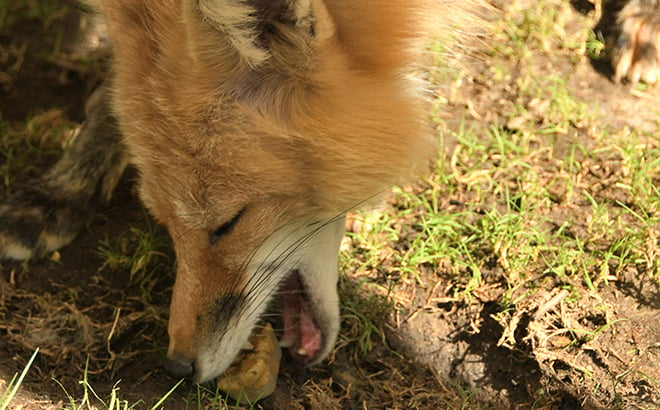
254	126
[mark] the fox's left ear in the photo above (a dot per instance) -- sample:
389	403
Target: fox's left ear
258	29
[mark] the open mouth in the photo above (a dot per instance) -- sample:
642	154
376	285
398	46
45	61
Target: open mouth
253	375
301	334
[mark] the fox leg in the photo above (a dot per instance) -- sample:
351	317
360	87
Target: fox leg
47	213
636	54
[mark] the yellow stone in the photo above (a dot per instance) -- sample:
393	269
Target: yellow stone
253	375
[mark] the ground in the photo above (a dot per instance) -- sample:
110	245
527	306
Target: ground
523	273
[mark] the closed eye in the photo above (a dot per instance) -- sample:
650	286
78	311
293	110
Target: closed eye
225	228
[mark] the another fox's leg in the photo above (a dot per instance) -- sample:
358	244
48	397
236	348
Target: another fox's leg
47	213
636	54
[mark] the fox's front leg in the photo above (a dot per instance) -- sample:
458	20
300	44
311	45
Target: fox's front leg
47	213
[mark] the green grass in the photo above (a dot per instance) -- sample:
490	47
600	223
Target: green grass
15	383
140	251
92	401
363	305
507	216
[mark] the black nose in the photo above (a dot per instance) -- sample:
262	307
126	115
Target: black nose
179	368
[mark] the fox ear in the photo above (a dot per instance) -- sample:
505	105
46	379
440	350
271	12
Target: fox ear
256	28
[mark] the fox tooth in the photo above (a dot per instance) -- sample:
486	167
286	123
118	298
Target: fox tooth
248	345
302	352
286	342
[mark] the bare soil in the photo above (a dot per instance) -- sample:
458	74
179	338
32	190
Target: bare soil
87	318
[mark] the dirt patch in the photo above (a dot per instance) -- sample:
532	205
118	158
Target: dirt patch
564	346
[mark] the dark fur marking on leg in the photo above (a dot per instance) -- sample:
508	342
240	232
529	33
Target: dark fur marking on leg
48	212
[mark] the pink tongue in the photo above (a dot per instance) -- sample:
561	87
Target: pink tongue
298	321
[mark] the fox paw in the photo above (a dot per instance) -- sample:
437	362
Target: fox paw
636	55
33	223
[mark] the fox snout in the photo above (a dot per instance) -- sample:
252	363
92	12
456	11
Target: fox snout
290	280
